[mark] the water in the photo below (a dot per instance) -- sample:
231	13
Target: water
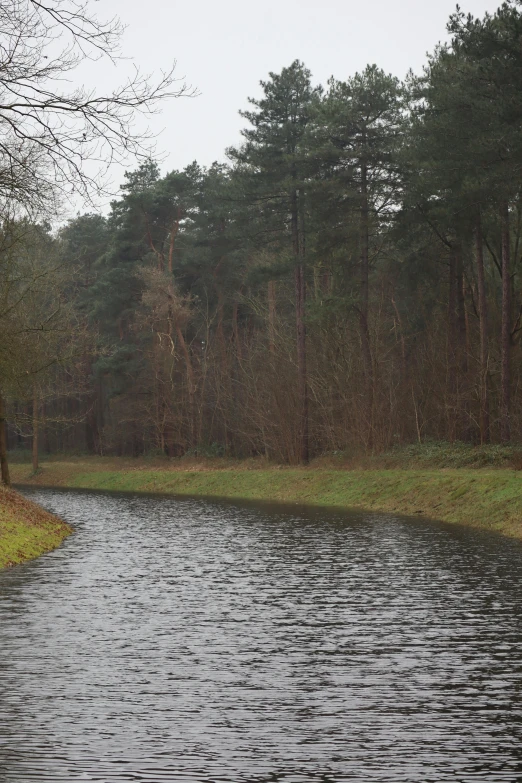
184	640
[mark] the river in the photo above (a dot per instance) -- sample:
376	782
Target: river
188	640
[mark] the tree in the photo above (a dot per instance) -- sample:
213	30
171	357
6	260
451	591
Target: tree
48	133
82	242
274	159
388	231
359	127
493	46
37	320
444	191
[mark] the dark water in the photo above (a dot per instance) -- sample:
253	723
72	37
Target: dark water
182	640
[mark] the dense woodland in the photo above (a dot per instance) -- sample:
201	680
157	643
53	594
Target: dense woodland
349	280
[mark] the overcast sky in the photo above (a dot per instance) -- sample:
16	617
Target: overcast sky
225	48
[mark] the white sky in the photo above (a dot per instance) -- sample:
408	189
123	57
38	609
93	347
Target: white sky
225	47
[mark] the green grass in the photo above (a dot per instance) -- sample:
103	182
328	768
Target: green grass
486	498
26	530
432	454
457	455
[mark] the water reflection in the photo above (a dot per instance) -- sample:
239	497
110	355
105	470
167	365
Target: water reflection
182	640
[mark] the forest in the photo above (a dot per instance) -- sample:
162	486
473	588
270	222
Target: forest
348	281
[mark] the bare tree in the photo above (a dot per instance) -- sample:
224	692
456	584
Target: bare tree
49	129
39	327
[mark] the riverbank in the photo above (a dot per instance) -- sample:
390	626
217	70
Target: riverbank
484	498
26	530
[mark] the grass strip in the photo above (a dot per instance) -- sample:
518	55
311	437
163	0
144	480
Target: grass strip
26	529
487	499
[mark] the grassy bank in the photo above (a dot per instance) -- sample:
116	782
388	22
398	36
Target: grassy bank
26	530
485	498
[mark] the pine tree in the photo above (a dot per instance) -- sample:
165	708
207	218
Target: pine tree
356	138
492	46
274	159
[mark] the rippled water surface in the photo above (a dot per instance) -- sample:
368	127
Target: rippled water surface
184	640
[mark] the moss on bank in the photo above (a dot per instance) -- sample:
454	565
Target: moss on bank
26	529
490	499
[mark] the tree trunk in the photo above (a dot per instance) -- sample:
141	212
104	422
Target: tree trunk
35	430
47	440
271	315
505	383
173	234
462	401
364	297
191	388
92	434
235	331
300	303
451	377
4	465
461	312
220	331
483	323
300	292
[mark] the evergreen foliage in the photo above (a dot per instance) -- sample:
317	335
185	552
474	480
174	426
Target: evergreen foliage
350	280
